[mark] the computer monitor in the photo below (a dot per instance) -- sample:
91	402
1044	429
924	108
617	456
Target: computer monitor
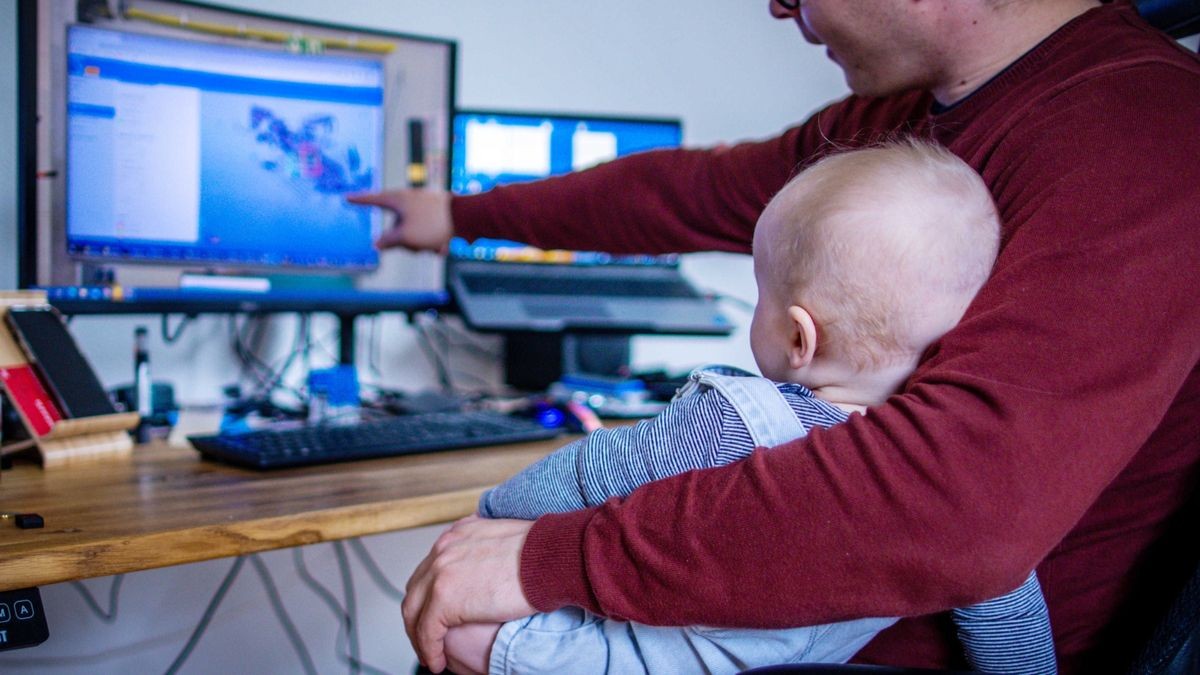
161	138
493	148
219	154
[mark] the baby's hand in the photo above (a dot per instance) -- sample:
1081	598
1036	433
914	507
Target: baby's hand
469	646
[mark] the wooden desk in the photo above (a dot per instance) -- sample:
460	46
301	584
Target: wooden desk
164	506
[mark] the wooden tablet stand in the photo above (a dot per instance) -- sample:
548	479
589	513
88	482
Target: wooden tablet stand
59	441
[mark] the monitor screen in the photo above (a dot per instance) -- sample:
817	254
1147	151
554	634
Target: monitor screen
203	153
496	148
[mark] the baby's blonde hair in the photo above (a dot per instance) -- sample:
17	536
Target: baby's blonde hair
884	246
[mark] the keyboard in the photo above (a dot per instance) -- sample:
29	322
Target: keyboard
402	435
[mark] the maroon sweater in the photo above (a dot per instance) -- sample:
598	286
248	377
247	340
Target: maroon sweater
1058	425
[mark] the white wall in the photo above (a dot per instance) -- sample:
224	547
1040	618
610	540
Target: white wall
725	67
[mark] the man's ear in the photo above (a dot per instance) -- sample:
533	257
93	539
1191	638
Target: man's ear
804	337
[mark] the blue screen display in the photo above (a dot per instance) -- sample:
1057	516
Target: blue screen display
195	152
491	149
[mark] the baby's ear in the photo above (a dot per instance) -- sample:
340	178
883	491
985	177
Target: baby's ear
804	337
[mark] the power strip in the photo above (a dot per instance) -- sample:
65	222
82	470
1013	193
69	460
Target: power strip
22	619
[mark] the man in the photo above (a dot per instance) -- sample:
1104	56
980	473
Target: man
1055	427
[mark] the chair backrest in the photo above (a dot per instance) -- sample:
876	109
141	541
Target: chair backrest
1174	647
1178	18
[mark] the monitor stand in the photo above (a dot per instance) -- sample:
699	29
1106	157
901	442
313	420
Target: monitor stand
532	361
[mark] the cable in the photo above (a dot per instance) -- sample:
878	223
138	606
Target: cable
347	618
314	585
298	347
373	348
334	606
482	344
373	570
343	563
206	618
306	354
285	620
268	378
250	362
423	340
322	344
169	336
113	591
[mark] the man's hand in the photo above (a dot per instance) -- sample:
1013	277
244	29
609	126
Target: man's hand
423	221
469	647
472	575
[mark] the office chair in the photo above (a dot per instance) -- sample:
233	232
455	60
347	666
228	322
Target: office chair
1174	647
1177	18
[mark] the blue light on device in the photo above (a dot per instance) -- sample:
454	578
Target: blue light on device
549	416
337	386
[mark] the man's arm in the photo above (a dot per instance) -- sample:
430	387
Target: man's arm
614	462
669	201
1003	441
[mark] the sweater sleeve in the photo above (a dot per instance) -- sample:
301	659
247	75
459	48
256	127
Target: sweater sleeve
1014	424
667	201
613	462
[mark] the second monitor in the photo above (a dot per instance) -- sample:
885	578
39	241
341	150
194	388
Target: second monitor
493	148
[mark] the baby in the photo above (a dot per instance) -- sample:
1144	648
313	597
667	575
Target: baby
862	262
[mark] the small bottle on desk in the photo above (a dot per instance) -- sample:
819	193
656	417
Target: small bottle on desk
142	383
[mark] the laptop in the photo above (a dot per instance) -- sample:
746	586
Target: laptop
648	296
505	286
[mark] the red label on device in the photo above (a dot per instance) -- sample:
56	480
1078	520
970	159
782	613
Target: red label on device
26	392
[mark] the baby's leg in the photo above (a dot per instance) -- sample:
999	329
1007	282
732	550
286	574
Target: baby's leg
732	650
567	641
573	641
469	646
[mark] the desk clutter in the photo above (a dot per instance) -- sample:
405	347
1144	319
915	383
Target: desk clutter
54	403
335	425
57	404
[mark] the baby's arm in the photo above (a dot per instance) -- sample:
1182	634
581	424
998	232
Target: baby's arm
546	486
614	462
1009	634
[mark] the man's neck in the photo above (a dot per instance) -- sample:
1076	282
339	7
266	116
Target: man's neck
996	37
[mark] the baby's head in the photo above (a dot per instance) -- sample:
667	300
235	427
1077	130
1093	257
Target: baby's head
864	260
